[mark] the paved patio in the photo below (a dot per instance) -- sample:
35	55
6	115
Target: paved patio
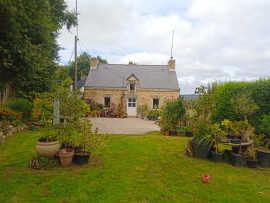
132	126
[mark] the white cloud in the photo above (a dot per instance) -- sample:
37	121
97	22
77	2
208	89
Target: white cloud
214	39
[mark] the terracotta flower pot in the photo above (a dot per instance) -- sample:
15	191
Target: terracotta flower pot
47	149
66	157
166	132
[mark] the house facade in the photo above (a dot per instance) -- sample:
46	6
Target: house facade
131	86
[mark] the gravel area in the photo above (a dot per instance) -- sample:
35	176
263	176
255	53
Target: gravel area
131	126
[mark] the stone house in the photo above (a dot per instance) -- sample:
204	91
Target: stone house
131	86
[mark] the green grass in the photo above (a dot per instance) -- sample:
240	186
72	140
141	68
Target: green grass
133	168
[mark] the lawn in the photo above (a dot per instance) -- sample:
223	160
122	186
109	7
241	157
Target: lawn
133	168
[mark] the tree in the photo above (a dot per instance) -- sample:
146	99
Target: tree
244	105
83	65
28	47
62	73
132	63
101	60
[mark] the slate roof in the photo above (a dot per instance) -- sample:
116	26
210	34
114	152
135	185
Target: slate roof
149	76
80	83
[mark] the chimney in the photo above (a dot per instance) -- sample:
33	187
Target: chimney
94	63
171	64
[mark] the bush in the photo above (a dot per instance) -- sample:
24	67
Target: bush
153	114
21	105
260	94
223	97
173	112
8	115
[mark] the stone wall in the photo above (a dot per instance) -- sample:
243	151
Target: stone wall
143	96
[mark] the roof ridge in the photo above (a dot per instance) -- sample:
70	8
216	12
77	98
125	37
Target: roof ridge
131	64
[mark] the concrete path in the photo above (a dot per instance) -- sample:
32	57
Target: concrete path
132	126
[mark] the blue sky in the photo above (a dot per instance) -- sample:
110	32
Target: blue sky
213	40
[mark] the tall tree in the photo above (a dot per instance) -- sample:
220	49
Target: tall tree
28	47
83	65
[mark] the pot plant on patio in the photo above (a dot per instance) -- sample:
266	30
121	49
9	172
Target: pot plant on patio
166	127
181	129
172	113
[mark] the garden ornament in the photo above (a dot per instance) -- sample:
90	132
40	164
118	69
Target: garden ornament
206	178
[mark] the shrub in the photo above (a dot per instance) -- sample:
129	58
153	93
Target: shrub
172	113
153	114
8	115
223	96
21	105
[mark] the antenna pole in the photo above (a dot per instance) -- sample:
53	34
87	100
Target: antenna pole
77	19
75	81
75	61
172	43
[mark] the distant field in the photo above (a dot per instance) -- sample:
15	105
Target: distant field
190	97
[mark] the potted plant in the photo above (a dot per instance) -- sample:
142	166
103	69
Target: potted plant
65	133
160	124
48	145
181	129
172	112
202	128
166	127
264	154
87	140
212	139
216	155
251	154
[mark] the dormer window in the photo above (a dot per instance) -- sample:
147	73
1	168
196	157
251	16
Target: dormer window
132	87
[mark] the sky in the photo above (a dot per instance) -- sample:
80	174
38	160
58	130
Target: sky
214	40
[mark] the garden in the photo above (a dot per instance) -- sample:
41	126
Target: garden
235	114
216	136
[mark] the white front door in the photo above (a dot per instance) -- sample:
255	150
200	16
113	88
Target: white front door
131	107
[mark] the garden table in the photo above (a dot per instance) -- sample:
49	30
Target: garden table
250	142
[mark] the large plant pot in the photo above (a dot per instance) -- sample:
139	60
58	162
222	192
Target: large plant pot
201	149
238	160
166	132
264	157
162	131
216	157
82	158
66	157
173	133
181	134
252	163
47	149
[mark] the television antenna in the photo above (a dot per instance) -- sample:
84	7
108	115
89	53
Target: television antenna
172	44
